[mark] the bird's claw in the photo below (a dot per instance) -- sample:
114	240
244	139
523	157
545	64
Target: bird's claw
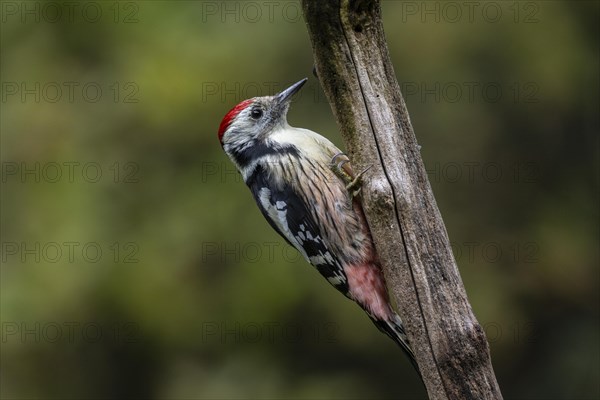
353	183
338	167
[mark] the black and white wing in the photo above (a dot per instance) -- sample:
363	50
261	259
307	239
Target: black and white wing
288	214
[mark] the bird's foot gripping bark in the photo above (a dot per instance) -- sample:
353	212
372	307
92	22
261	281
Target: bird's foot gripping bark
340	165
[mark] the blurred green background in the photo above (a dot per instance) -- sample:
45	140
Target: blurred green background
135	263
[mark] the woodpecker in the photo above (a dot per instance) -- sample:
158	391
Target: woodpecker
306	189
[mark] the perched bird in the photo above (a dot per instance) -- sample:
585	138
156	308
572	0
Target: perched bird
305	188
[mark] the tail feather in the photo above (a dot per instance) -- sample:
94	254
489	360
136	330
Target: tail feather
394	328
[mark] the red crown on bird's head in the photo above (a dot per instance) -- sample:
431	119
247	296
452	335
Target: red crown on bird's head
230	116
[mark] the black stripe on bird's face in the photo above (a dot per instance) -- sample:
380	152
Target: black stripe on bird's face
257	150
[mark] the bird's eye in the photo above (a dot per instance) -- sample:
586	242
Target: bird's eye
256	113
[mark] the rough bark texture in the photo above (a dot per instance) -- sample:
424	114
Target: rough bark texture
357	76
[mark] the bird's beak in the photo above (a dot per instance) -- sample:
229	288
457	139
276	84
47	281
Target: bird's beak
285	96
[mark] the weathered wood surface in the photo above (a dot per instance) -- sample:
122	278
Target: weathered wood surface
356	73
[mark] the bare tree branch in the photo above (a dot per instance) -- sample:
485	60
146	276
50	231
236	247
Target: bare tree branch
356	73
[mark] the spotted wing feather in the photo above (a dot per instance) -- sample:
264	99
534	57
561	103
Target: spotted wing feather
285	211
